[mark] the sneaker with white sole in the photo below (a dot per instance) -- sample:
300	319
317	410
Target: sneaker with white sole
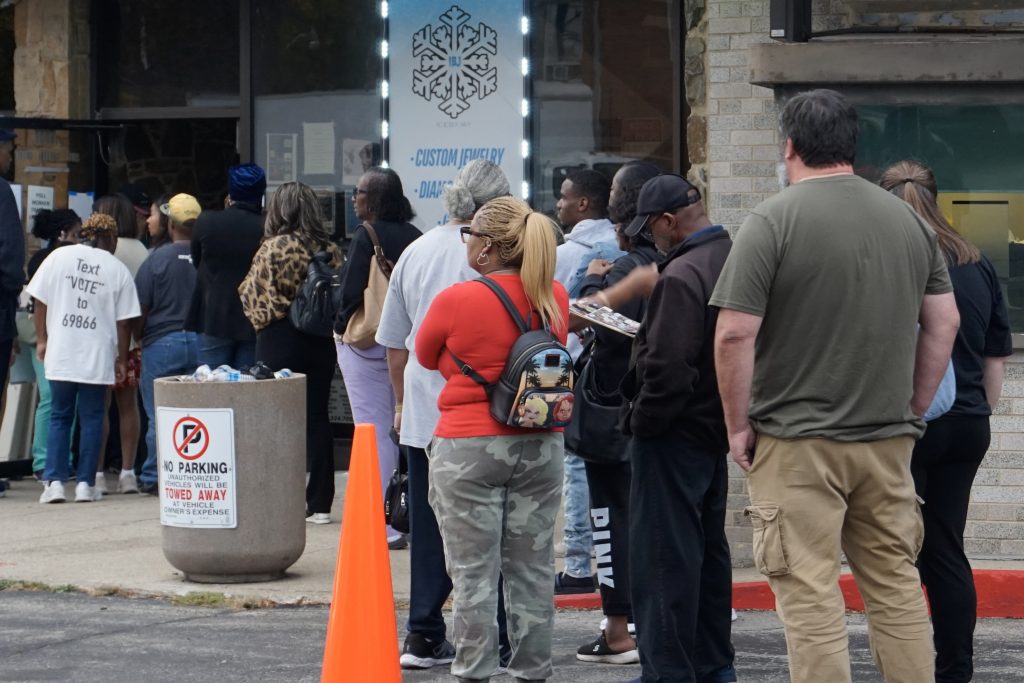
420	652
53	492
101	483
127	483
86	494
319	518
599	652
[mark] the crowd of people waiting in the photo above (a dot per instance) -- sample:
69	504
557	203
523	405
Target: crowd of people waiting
856	296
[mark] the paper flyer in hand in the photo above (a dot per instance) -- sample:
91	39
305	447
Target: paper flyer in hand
604	316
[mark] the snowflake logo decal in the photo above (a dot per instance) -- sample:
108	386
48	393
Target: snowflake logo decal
453	62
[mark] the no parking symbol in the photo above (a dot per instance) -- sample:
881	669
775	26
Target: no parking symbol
191	438
197	467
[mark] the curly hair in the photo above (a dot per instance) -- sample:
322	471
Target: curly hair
476	184
48	225
98	223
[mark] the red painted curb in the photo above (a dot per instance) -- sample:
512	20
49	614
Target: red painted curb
1000	595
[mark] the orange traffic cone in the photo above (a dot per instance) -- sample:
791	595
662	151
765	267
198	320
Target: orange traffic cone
362	638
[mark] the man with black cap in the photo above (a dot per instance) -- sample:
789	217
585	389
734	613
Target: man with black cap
679	567
223	244
12	256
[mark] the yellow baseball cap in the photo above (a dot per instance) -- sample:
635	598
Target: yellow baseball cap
182	208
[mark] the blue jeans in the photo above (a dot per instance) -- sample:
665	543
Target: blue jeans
214	351
579	540
91	400
42	421
171	354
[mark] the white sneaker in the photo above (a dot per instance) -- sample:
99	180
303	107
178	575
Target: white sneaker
86	494
101	483
319	518
127	483
53	492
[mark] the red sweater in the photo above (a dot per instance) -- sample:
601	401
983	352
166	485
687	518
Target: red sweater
470	320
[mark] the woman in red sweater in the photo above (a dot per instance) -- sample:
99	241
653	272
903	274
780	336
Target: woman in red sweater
496	489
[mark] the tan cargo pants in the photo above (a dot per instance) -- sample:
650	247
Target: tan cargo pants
809	499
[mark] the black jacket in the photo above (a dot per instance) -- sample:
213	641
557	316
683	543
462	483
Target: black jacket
223	244
394	238
672	385
12	261
612	350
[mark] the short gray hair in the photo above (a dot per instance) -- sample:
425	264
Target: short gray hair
477	183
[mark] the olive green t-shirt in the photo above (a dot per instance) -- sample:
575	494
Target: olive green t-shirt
837	268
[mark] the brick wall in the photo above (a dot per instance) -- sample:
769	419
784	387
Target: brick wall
995	527
743	148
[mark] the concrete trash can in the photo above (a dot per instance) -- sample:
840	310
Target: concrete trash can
232	462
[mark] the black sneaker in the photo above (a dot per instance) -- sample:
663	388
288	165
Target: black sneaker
569	585
149	489
598	651
419	652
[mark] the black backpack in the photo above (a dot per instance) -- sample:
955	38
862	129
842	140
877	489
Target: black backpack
319	298
534	390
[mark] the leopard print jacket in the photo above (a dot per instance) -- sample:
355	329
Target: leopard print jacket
276	274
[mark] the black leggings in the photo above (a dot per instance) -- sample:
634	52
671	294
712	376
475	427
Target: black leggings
944	464
609	518
280	345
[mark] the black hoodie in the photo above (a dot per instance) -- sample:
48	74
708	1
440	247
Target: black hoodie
671	386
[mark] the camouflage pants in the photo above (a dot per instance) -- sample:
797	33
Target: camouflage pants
496	498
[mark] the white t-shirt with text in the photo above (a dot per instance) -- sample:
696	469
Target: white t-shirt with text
86	292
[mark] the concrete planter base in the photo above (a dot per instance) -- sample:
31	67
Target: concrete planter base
270	471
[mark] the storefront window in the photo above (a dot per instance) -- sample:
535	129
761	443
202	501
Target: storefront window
975	153
316	74
167	54
604	92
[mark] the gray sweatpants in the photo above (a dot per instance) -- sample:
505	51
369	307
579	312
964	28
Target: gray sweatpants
496	499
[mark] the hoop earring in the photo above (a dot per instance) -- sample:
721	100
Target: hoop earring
485	256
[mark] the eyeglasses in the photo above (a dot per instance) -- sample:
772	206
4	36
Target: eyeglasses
466	231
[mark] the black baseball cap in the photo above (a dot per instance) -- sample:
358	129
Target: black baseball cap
662	193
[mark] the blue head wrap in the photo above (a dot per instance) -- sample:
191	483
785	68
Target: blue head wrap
247	183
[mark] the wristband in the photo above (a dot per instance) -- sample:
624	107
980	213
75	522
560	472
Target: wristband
398	407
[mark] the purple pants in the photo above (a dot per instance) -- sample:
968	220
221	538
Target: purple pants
373	401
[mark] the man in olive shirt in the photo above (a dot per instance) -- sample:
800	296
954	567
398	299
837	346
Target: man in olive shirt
831	278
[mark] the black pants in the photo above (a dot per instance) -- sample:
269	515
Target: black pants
944	464
280	345
609	518
429	585
679	568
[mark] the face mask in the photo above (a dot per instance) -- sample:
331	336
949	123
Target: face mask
781	175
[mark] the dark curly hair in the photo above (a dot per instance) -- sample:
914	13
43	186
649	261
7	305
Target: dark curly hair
632	177
48	225
385	199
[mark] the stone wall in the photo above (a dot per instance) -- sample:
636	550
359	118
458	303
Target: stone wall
743	149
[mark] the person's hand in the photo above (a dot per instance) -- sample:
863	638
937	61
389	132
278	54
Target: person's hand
41	350
398	421
599	266
741	446
120	371
643	279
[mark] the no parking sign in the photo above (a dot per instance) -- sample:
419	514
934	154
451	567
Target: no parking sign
197	467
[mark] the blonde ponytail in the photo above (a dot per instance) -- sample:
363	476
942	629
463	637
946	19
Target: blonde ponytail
538	269
526	240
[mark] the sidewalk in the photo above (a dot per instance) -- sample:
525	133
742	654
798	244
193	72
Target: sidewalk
115	543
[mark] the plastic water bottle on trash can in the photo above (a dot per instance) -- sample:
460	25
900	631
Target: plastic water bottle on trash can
283	373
